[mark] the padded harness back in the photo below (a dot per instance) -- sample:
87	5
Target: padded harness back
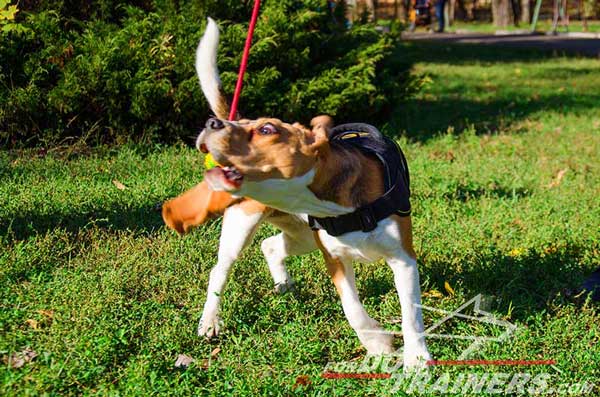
395	200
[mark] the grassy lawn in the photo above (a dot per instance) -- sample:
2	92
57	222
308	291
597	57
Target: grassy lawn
503	147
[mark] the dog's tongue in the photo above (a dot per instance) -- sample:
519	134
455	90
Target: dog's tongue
225	178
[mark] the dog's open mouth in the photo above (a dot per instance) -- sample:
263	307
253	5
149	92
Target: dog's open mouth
224	178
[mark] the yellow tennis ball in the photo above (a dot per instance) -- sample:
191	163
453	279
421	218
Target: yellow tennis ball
209	162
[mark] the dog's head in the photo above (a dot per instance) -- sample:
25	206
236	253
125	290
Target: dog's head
262	149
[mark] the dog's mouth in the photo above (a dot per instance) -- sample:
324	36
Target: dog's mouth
226	178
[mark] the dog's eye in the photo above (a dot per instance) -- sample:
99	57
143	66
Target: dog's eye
267	129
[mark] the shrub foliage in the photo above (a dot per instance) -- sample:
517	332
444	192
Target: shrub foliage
111	70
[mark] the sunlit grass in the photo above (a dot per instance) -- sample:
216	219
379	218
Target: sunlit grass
108	297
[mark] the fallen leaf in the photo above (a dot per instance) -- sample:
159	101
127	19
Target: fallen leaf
516	252
551	249
558	178
448	288
215	351
19	359
119	185
46	313
433	294
32	323
183	361
204	364
302	380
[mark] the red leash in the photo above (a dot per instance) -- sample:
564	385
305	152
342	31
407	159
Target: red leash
240	80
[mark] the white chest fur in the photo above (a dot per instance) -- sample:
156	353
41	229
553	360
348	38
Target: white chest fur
292	196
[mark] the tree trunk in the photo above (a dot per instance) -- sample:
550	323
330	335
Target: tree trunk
370	9
471	10
502	13
451	6
460	12
583	15
525	11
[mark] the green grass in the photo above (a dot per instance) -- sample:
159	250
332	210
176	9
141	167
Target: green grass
115	297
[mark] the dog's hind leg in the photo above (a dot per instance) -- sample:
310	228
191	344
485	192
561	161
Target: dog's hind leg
295	239
239	225
406	278
373	337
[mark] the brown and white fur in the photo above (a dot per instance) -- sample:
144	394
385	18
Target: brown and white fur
281	173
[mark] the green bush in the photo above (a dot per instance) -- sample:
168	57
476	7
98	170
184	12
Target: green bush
111	71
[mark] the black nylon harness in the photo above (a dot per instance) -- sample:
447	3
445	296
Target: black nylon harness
395	200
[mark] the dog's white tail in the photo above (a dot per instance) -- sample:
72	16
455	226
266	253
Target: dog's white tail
208	73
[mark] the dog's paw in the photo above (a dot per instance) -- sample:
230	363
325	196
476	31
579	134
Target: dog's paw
378	342
286	286
209	327
415	361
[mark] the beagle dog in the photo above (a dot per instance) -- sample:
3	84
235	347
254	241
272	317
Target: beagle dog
283	174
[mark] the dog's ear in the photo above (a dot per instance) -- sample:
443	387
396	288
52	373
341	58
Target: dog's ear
195	207
321	126
323	121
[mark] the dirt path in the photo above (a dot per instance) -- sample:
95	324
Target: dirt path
576	45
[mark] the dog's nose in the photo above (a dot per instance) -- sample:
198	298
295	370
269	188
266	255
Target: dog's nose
214	124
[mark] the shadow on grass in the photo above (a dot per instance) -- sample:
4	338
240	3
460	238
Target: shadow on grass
459	53
423	119
488	108
463	192
143	219
522	284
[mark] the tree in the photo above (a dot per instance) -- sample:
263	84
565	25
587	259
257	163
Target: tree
503	13
525	11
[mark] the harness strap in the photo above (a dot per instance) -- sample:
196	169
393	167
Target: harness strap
364	218
396	200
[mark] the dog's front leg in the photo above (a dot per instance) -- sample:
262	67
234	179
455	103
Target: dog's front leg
239	225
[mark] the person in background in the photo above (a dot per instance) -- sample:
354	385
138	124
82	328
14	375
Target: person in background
439	14
420	14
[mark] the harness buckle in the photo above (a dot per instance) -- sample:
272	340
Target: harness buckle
367	219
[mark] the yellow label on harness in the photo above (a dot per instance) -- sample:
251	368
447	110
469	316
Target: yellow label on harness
350	135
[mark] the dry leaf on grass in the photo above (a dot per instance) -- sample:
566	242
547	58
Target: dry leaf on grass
302	380
46	313
215	351
448	288
32	323
119	185
19	359
432	293
183	361
558	178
